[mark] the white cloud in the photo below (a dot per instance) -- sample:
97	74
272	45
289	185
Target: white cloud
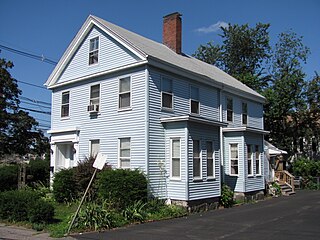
212	28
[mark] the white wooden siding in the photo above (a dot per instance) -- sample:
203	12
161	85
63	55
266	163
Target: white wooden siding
111	55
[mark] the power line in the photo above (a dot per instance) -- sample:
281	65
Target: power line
38	119
30	84
37	111
34	104
30	55
35	101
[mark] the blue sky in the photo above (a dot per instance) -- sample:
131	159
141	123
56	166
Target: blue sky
44	27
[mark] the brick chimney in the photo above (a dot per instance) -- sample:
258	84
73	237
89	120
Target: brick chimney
172	31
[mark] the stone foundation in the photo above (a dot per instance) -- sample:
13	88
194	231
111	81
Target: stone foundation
249	196
199	205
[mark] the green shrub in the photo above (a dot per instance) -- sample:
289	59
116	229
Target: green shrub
157	210
63	186
39	171
8	177
25	205
122	186
307	169
135	212
226	199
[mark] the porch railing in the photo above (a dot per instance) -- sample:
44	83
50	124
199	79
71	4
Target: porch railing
285	177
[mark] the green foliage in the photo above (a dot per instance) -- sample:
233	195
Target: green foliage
135	212
276	187
308	170
226	199
39	171
64	183
8	177
157	209
25	205
122	186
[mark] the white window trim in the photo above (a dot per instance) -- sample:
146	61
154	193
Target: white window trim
65	117
251	157
119	158
173	177
245	124
200	156
213	160
99	94
190	100
260	162
97	63
230	159
125	108
166	108
90	145
232	120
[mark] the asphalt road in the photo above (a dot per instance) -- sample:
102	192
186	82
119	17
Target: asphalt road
283	218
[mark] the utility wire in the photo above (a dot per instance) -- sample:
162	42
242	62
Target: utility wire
35	101
37	111
30	84
30	55
34	104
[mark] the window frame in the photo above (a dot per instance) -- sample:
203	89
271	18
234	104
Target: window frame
90	146
194	100
171	158
230	160
167	93
125	92
65	104
120	158
199	159
244	114
213	176
97	50
91	99
249	159
229	109
258	160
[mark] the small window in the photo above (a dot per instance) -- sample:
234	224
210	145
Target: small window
229	109
234	159
244	113
258	161
249	160
124	152
95	94
194	100
65	107
93	51
166	93
210	160
196	159
124	93
175	158
94	147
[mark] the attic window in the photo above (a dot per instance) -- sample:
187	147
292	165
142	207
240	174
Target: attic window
93	50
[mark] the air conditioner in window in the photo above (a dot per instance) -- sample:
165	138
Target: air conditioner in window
93	108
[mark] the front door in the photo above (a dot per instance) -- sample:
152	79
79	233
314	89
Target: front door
64	158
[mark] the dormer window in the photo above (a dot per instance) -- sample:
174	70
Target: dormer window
93	50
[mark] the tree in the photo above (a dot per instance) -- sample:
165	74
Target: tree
18	133
242	54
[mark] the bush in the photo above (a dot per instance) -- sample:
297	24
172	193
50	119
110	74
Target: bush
25	205
8	177
226	199
307	169
64	189
122	186
135	212
39	171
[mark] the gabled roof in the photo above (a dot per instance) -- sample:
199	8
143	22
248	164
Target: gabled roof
161	56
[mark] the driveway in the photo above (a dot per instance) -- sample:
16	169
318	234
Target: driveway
294	217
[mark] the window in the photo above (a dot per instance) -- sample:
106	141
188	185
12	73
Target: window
194	100
234	158
94	147
229	109
210	160
258	162
95	94
244	113
249	160
124	152
65	104
175	158
124	92
93	50
166	93
196	159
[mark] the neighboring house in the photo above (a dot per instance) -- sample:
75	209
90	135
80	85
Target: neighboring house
186	124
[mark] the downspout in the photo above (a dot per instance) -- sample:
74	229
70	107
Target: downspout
147	123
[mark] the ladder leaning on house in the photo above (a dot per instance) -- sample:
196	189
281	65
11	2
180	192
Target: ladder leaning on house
286	182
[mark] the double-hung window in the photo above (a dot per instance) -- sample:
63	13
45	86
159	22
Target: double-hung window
124	152
65	104
93	50
196	159
194	100
124	92
210	160
244	113
234	159
95	97
249	160
229	109
166	93
258	161
175	158
94	147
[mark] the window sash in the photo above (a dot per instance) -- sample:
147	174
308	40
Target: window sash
175	158
124	152
244	113
94	147
95	94
258	161
166	93
249	160
167	99
125	92
93	50
229	109
210	160
196	159
195	106
65	104
234	159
